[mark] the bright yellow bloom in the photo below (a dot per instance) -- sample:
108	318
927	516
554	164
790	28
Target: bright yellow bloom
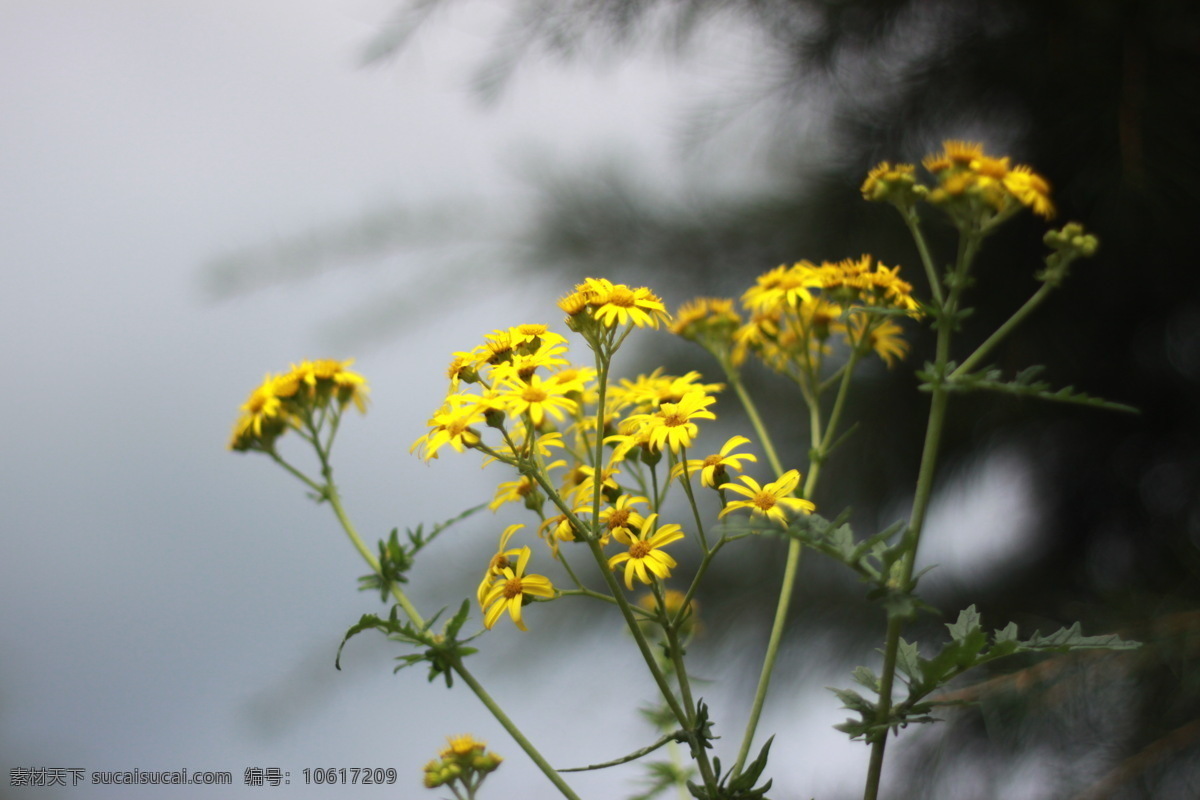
278	402
559	529
263	416
517	491
580	483
622	519
536	398
504	558
451	424
462	745
885	337
645	559
509	590
465	761
1030	189
772	501
781	287
325	378
647	392
672	426
886	181
614	305
712	469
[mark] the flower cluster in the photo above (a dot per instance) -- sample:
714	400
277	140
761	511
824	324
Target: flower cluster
967	181
796	312
284	401
465	761
585	448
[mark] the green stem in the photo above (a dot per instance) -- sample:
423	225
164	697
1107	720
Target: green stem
1016	319
330	493
755	420
968	246
513	730
914	226
792	564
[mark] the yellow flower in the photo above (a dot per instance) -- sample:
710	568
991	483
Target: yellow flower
672	426
522	490
614	305
771	500
884	337
644	559
712	469
536	398
889	182
781	287
263	416
621	519
509	590
503	559
462	746
325	378
1030	189
647	392
451	424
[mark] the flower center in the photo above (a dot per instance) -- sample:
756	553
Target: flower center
618	519
639	549
513	588
622	297
674	419
764	501
532	394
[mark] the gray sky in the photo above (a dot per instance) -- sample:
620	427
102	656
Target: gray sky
167	604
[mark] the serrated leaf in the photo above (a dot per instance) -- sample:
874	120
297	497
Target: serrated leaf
865	676
853	701
1072	638
908	659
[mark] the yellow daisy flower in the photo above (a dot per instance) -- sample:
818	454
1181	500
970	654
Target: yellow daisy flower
645	559
503	558
672	426
536	398
451	425
510	589
614	305
772	501
621	519
712	468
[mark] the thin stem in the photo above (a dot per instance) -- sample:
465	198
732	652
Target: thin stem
1012	322
967	247
755	420
914	227
513	730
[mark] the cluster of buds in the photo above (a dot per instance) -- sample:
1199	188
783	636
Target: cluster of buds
286	400
968	183
465	762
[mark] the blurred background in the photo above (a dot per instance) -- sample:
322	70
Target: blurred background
197	194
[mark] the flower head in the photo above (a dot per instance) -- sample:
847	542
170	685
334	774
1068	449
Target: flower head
712	468
510	589
772	501
451	424
645	558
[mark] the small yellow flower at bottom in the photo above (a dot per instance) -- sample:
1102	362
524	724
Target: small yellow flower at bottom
509	590
771	500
